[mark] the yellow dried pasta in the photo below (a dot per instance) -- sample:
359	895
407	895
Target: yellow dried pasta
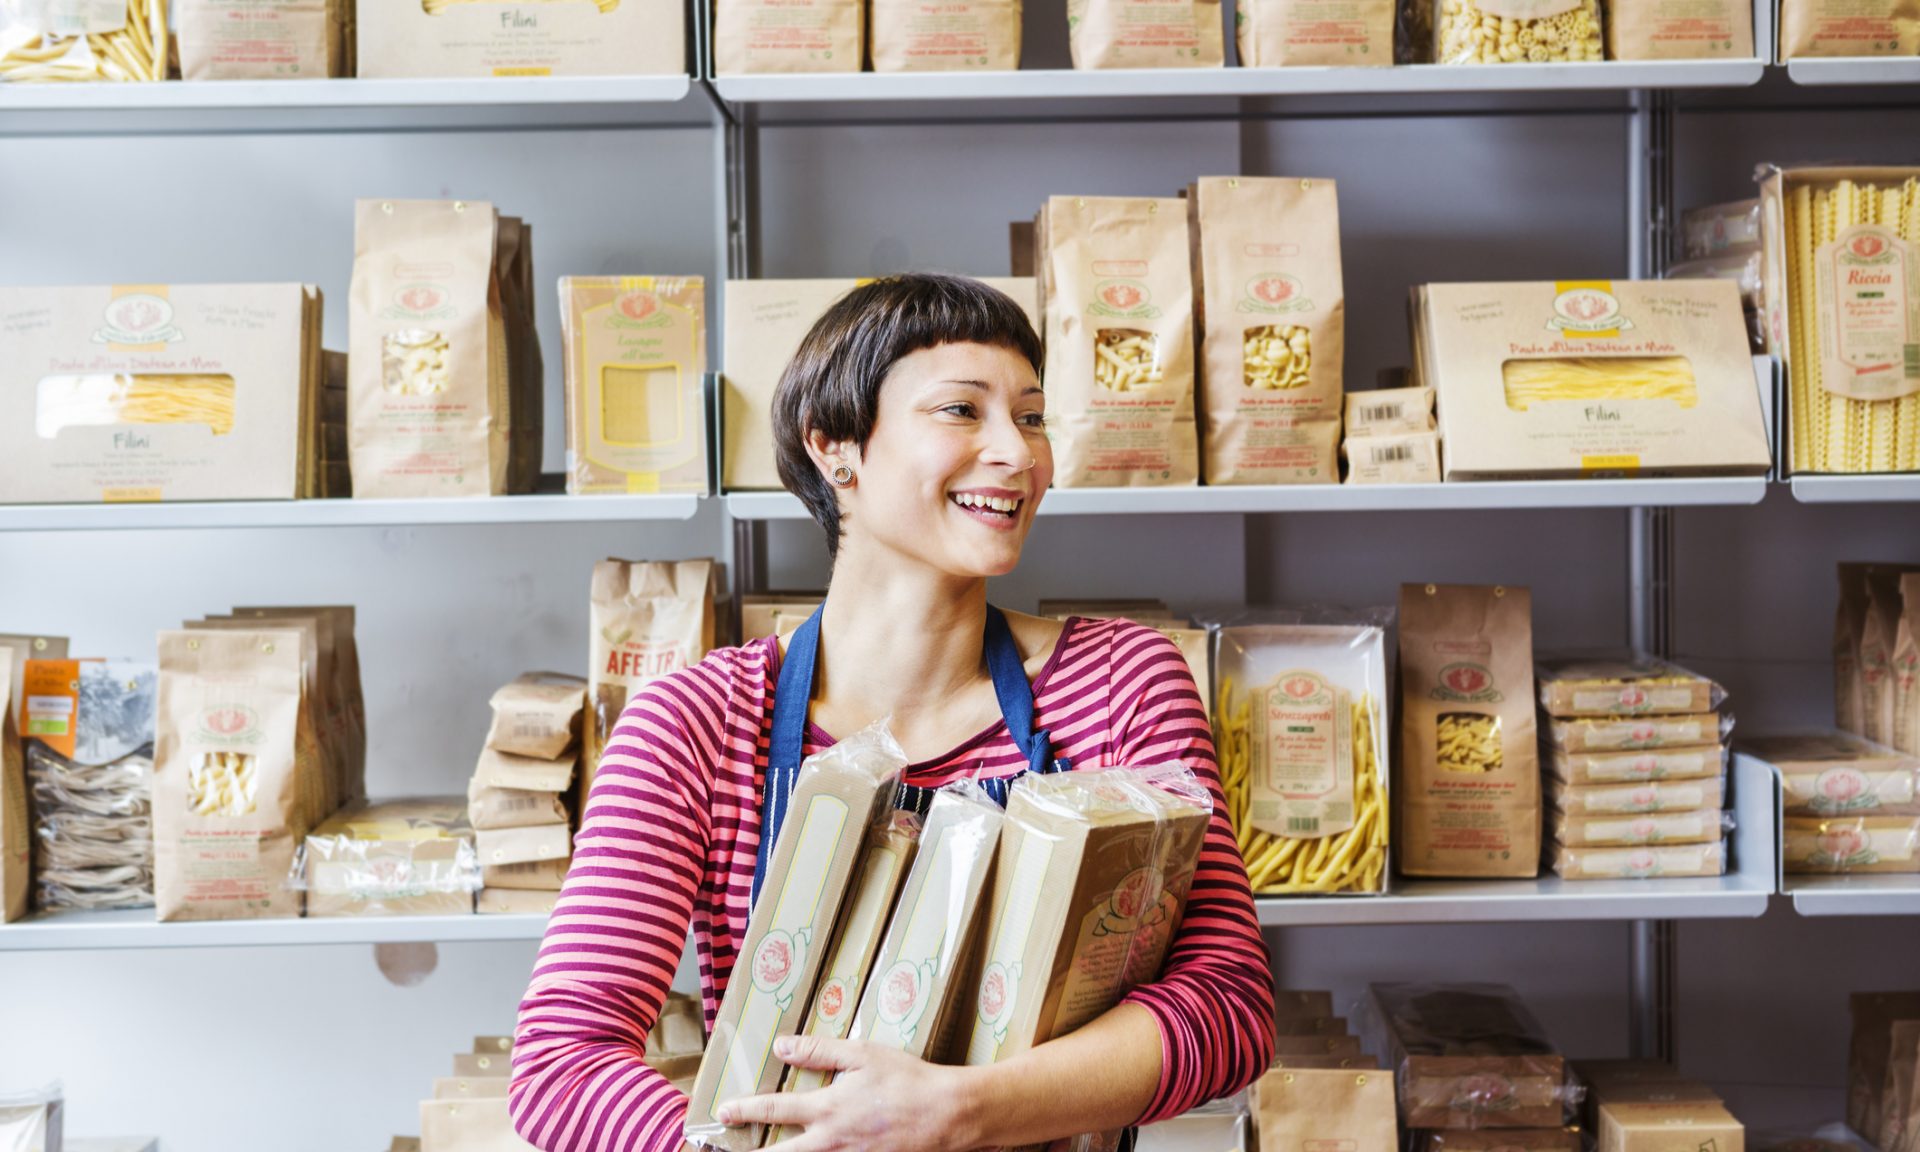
1276	356
1576	378
223	784
106	400
135	53
1469	742
1126	359
435	7
415	362
1471	35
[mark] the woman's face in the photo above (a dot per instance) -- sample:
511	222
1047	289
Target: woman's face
957	462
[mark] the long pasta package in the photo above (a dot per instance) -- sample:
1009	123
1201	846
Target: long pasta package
1633	685
1638	733
1576	379
148	392
1825	774
1842	289
1851	844
636	407
1471	1056
465	38
1579	829
1301	725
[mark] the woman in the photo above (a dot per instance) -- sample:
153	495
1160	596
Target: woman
912	423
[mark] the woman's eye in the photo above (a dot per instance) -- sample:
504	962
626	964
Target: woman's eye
1034	420
962	410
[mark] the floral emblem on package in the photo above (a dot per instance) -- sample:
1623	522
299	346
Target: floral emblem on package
777	965
1484	1092
999	989
833	1001
903	995
1843	847
1843	790
1470	682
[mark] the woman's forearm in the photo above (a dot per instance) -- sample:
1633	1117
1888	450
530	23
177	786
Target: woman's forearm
1096	1079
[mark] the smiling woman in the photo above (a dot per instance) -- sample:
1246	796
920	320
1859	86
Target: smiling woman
913	425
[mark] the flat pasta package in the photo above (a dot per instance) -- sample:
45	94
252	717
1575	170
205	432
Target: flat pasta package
1639	733
261	39
781	36
1679	30
945	35
149	392
636	401
1325	33
1272	316
1301	725
649	618
465	38
1622	686
1469	792
1840	774
1851	844
429	392
1116	291
1637	767
393	858
1127	34
1580	829
1580	379
1471	1056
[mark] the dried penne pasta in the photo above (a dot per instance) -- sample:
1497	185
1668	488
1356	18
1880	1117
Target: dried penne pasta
134	52
1126	359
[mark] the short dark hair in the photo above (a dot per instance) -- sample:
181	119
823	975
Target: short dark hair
832	384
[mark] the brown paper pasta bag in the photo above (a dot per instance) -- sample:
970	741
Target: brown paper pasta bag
1469	799
1272	316
1319	1109
429	403
1117	298
1904	730
1873	1015
946	35
261	39
1679	30
1879	635
753	36
1127	34
1846	28
1850	620
1334	33
16	842
649	619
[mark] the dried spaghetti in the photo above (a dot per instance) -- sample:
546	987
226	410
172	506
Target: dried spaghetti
1578	378
107	400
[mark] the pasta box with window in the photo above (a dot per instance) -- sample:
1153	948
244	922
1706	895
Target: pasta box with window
146	392
1578	379
432	38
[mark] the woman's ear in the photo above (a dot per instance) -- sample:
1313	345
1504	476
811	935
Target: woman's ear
828	454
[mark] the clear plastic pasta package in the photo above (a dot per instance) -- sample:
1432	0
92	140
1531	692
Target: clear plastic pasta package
1389	412
1576	829
1471	1056
839	797
158	392
45	40
1637	799
463	38
1840	774
636	403
1640	766
1301	726
1638	733
1646	862
1577	379
1839	252
33	1121
1712	229
1517	31
89	748
393	858
1634	685
1851	844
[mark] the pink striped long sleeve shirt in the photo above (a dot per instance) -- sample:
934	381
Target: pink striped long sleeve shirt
668	842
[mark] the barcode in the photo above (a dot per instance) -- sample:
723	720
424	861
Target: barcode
1913	359
1391	453
1380	412
1303	824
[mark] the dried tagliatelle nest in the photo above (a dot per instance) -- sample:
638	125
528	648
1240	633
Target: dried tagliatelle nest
93	830
39	42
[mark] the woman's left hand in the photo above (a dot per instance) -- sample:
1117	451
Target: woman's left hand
880	1098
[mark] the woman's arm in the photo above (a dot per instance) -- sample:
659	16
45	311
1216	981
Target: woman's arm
616	936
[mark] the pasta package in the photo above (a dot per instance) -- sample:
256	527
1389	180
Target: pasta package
332	783
1840	774
237	773
16	840
394	858
1517	31
1852	844
1625	686
1904	730
946	35
538	715
527	876
1398	458
1678	1117
1635	799
636	402
1471	1056
648	619
1833	28
429	389
1271	310
261	39
1116	292
1301	727
1325	33
46	41
1581	829
1712	229
1879	642
839	797
1679	30
1841	272
761	36
1470	778
1128	34
1637	767
1849	624
1389	412
465	38
491	808
1639	733
1868	1055
1324	1108
348	694
146	392
1092	880
1578	379
766	320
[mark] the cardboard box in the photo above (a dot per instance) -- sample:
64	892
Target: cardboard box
1642	863
497	769
1470	1056
1093	879
394	858
633	38
1840	774
839	797
1852	844
1498	423
1636	767
1606	830
514	902
636	400
1667	1118
152	392
545	842
1393	458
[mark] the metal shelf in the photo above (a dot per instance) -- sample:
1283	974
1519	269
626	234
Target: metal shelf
190	106
89	931
1742	893
1881	895
1874	489
1718	490
545	509
1855	70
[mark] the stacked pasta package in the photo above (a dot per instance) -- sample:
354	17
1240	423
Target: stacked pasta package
1722	242
1301	724
1883	1067
1647	1106
1322	1091
1839	264
1636	751
390	858
516	801
1851	805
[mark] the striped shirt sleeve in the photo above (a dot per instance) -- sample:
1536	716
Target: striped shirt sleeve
619	928
1214	998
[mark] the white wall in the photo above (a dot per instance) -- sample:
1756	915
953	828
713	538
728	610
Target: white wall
305	1050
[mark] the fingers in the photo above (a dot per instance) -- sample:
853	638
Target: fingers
797	1108
819	1053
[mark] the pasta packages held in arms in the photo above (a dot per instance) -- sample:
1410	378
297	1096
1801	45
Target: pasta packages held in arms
1116	290
1272	316
840	796
1578	379
1088	892
470	39
428	384
636	407
148	392
1517	31
1470	785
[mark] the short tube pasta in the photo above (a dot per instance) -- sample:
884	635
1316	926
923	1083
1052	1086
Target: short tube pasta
1126	359
133	53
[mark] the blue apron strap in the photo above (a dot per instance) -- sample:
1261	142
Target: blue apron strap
787	746
1016	703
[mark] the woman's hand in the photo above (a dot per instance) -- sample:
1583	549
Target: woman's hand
880	1098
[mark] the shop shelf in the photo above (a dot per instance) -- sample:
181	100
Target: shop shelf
89	931
1855	70
1879	894
540	509
1874	489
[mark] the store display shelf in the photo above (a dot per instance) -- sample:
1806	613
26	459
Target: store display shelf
1346	497
1875	489
351	105
89	931
1058	84
1855	70
1854	895
542	509
1742	893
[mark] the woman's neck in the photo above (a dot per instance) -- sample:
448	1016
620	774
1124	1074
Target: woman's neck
898	642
